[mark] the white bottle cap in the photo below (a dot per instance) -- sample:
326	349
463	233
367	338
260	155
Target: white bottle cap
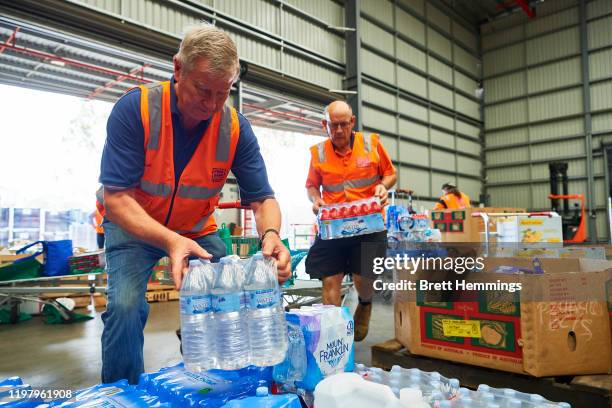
483	388
261	391
410	395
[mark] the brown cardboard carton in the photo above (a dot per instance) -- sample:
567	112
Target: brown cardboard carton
558	324
460	226
10	258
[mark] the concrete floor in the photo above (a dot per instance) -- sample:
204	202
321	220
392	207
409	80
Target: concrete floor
66	357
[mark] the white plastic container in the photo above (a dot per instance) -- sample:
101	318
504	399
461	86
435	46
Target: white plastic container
412	398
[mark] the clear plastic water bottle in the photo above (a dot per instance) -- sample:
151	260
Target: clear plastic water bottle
293	368
197	323
267	326
228	304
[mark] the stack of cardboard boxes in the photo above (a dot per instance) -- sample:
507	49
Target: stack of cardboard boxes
557	324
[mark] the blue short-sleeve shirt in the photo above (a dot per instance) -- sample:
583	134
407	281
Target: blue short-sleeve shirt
123	157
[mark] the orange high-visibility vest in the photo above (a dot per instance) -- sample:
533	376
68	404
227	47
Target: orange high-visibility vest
451	202
351	178
98	218
185	205
100	210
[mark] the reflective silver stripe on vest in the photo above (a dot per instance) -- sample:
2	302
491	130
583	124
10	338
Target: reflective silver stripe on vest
155	114
196	228
158	190
225	135
355	183
333	188
358	183
321	151
196	192
367	143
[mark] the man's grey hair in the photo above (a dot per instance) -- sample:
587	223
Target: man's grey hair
212	44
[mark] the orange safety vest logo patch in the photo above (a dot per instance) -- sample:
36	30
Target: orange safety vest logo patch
219	174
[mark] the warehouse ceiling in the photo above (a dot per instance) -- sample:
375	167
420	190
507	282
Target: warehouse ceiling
36	57
479	12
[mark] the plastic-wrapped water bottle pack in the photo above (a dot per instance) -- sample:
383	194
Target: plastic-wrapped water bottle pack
170	387
434	390
232	314
15	394
350	219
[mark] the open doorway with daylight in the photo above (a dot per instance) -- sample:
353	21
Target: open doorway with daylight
58	90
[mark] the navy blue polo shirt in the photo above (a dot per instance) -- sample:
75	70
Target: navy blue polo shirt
123	157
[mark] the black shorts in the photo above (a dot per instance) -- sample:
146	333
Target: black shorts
354	255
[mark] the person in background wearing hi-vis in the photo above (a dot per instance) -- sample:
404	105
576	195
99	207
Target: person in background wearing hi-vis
452	199
96	218
169	149
348	166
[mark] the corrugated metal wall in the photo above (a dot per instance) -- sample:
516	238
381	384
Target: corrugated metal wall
291	37
534	111
420	69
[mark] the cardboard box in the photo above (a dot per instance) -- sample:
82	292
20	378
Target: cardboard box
558	324
530	229
460	226
89	262
10	258
161	273
551	252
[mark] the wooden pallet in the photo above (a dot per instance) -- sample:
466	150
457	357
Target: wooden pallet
591	391
161	293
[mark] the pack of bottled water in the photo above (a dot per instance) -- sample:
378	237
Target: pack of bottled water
209	389
350	219
15	394
232	314
117	394
321	345
410	228
263	399
437	391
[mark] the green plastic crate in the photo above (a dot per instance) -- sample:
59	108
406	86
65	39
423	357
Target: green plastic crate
241	246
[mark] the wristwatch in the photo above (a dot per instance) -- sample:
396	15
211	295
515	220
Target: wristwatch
266	232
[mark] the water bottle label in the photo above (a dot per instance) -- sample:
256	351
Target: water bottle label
262	298
196	304
228	302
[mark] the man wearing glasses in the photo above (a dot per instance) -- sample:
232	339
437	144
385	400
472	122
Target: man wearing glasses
348	166
169	149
